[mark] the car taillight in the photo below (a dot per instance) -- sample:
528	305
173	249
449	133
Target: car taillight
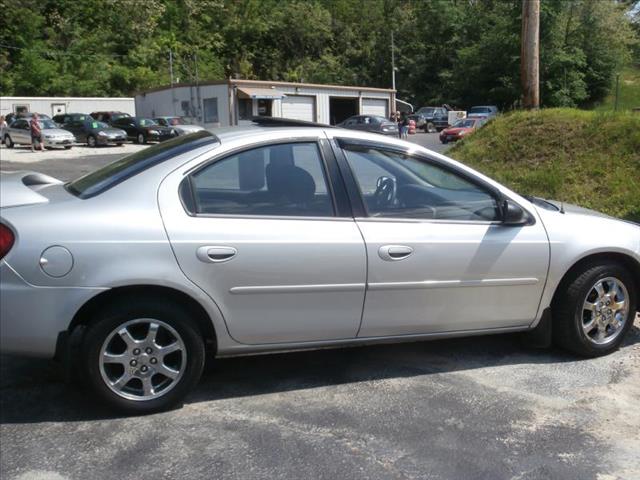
6	240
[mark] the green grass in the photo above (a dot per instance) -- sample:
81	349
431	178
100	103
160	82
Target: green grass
629	97
588	158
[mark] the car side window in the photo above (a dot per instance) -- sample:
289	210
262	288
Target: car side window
396	185
276	180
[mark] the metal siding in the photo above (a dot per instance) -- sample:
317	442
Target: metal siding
72	104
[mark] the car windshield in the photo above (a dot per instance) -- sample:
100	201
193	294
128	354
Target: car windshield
47	124
146	122
426	110
107	177
96	124
116	116
480	110
464	124
176	121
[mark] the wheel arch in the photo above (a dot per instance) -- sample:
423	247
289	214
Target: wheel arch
84	315
626	260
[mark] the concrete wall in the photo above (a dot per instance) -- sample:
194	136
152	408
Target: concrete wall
52	105
185	102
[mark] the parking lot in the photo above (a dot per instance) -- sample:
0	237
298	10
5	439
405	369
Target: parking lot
474	408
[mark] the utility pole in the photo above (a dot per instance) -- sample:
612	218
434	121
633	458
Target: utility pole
615	108
173	97
530	54
198	110
393	71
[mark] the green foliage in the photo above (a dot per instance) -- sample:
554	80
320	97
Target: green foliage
461	52
588	158
628	91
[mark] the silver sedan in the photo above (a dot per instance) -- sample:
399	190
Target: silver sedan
276	237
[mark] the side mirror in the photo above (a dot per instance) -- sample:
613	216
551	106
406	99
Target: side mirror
513	214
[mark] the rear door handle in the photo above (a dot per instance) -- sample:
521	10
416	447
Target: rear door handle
393	253
215	254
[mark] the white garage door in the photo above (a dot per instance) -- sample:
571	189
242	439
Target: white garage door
299	107
375	106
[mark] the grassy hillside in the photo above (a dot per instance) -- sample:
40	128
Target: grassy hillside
629	96
588	158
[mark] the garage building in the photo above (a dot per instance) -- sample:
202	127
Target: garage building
234	102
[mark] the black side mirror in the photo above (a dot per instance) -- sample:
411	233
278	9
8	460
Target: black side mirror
513	214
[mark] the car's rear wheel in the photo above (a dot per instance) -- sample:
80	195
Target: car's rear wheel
143	355
91	141
430	128
68	147
8	142
594	309
141	138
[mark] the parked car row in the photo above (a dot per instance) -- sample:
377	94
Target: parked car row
436	119
97	128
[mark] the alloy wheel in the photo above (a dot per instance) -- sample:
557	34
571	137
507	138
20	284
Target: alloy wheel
605	311
142	359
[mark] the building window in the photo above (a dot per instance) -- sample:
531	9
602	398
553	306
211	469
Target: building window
186	108
210	110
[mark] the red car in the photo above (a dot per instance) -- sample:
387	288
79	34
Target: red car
460	129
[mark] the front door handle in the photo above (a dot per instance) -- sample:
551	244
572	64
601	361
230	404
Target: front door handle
214	254
393	253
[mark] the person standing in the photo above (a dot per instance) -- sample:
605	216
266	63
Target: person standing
3	126
399	120
36	132
405	127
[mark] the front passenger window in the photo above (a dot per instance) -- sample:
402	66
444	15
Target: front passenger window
277	180
396	185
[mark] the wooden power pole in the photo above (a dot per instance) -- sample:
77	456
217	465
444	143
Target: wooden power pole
530	54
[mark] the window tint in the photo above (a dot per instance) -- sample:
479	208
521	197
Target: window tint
107	177
397	185
282	180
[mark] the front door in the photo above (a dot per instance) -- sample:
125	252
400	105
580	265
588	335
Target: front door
259	233
439	259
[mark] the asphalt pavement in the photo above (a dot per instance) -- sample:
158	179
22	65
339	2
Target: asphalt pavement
475	408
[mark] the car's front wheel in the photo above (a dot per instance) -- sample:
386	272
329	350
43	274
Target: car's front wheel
430	128
91	141
8	142
143	355
141	138
594	309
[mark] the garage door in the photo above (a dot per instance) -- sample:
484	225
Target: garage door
299	107
375	106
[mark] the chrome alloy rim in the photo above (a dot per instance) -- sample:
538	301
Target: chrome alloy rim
142	359
605	311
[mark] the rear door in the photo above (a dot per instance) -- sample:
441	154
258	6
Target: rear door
439	258
266	234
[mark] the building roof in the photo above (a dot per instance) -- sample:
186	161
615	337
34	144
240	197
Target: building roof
266	84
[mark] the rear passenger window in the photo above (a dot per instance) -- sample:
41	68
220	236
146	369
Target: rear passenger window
278	180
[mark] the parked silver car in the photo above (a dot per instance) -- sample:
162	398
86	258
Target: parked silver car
276	238
179	124
19	133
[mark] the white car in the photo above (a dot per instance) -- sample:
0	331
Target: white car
281	237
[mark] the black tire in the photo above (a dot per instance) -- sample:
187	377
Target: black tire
141	138
115	315
568	308
119	144
430	128
68	148
92	142
8	142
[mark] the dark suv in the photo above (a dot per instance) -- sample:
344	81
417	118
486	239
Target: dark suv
431	119
109	117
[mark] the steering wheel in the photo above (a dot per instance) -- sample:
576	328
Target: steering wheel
385	194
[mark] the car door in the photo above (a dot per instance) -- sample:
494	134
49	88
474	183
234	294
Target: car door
21	132
262	234
77	128
439	258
